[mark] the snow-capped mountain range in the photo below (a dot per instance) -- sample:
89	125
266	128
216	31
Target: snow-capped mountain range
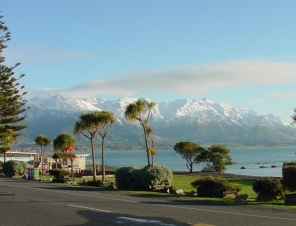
197	120
200	111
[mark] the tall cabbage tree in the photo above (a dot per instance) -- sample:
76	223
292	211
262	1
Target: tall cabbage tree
107	118
88	125
151	149
42	141
140	111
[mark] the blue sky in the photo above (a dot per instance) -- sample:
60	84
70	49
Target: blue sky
240	53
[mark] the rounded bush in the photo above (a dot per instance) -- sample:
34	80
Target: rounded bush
127	177
289	177
268	189
135	177
14	168
157	175
287	164
213	187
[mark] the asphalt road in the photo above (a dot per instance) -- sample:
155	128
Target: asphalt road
25	202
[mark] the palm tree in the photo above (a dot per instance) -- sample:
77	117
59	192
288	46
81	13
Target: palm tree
89	125
107	118
43	141
140	111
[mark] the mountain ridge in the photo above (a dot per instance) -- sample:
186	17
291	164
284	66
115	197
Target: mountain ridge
202	121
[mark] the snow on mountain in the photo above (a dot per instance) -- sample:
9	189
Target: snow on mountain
62	103
185	111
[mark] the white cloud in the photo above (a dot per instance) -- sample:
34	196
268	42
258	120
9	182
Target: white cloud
39	53
191	80
283	95
256	101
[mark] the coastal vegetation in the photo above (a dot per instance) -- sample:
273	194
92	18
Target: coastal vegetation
42	141
12	102
89	125
63	141
216	157
140	111
189	151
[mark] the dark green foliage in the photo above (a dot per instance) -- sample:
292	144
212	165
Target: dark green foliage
213	187
59	173
216	157
289	176
208	168
268	189
134	177
157	175
14	168
127	178
189	151
11	99
62	141
286	164
294	117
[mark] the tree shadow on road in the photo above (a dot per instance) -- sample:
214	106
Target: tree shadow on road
110	219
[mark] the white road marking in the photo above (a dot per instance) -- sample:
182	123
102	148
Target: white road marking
84	207
172	206
225	212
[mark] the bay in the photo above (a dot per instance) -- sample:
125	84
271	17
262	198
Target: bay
250	158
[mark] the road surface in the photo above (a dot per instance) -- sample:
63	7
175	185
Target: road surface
24	202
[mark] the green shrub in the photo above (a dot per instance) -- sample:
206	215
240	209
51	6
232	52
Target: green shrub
213	187
268	189
286	164
14	168
126	178
59	173
157	175
138	178
208	168
289	177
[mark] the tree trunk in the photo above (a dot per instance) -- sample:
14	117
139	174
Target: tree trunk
103	160
4	156
41	160
146	143
94	161
72	167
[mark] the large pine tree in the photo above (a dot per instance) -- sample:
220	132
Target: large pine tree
12	104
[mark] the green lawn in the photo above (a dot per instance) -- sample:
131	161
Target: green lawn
184	182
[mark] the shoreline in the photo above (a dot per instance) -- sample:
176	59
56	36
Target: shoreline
215	174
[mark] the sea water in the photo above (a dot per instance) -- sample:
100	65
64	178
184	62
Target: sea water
252	159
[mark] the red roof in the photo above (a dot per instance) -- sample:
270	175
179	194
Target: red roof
69	148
